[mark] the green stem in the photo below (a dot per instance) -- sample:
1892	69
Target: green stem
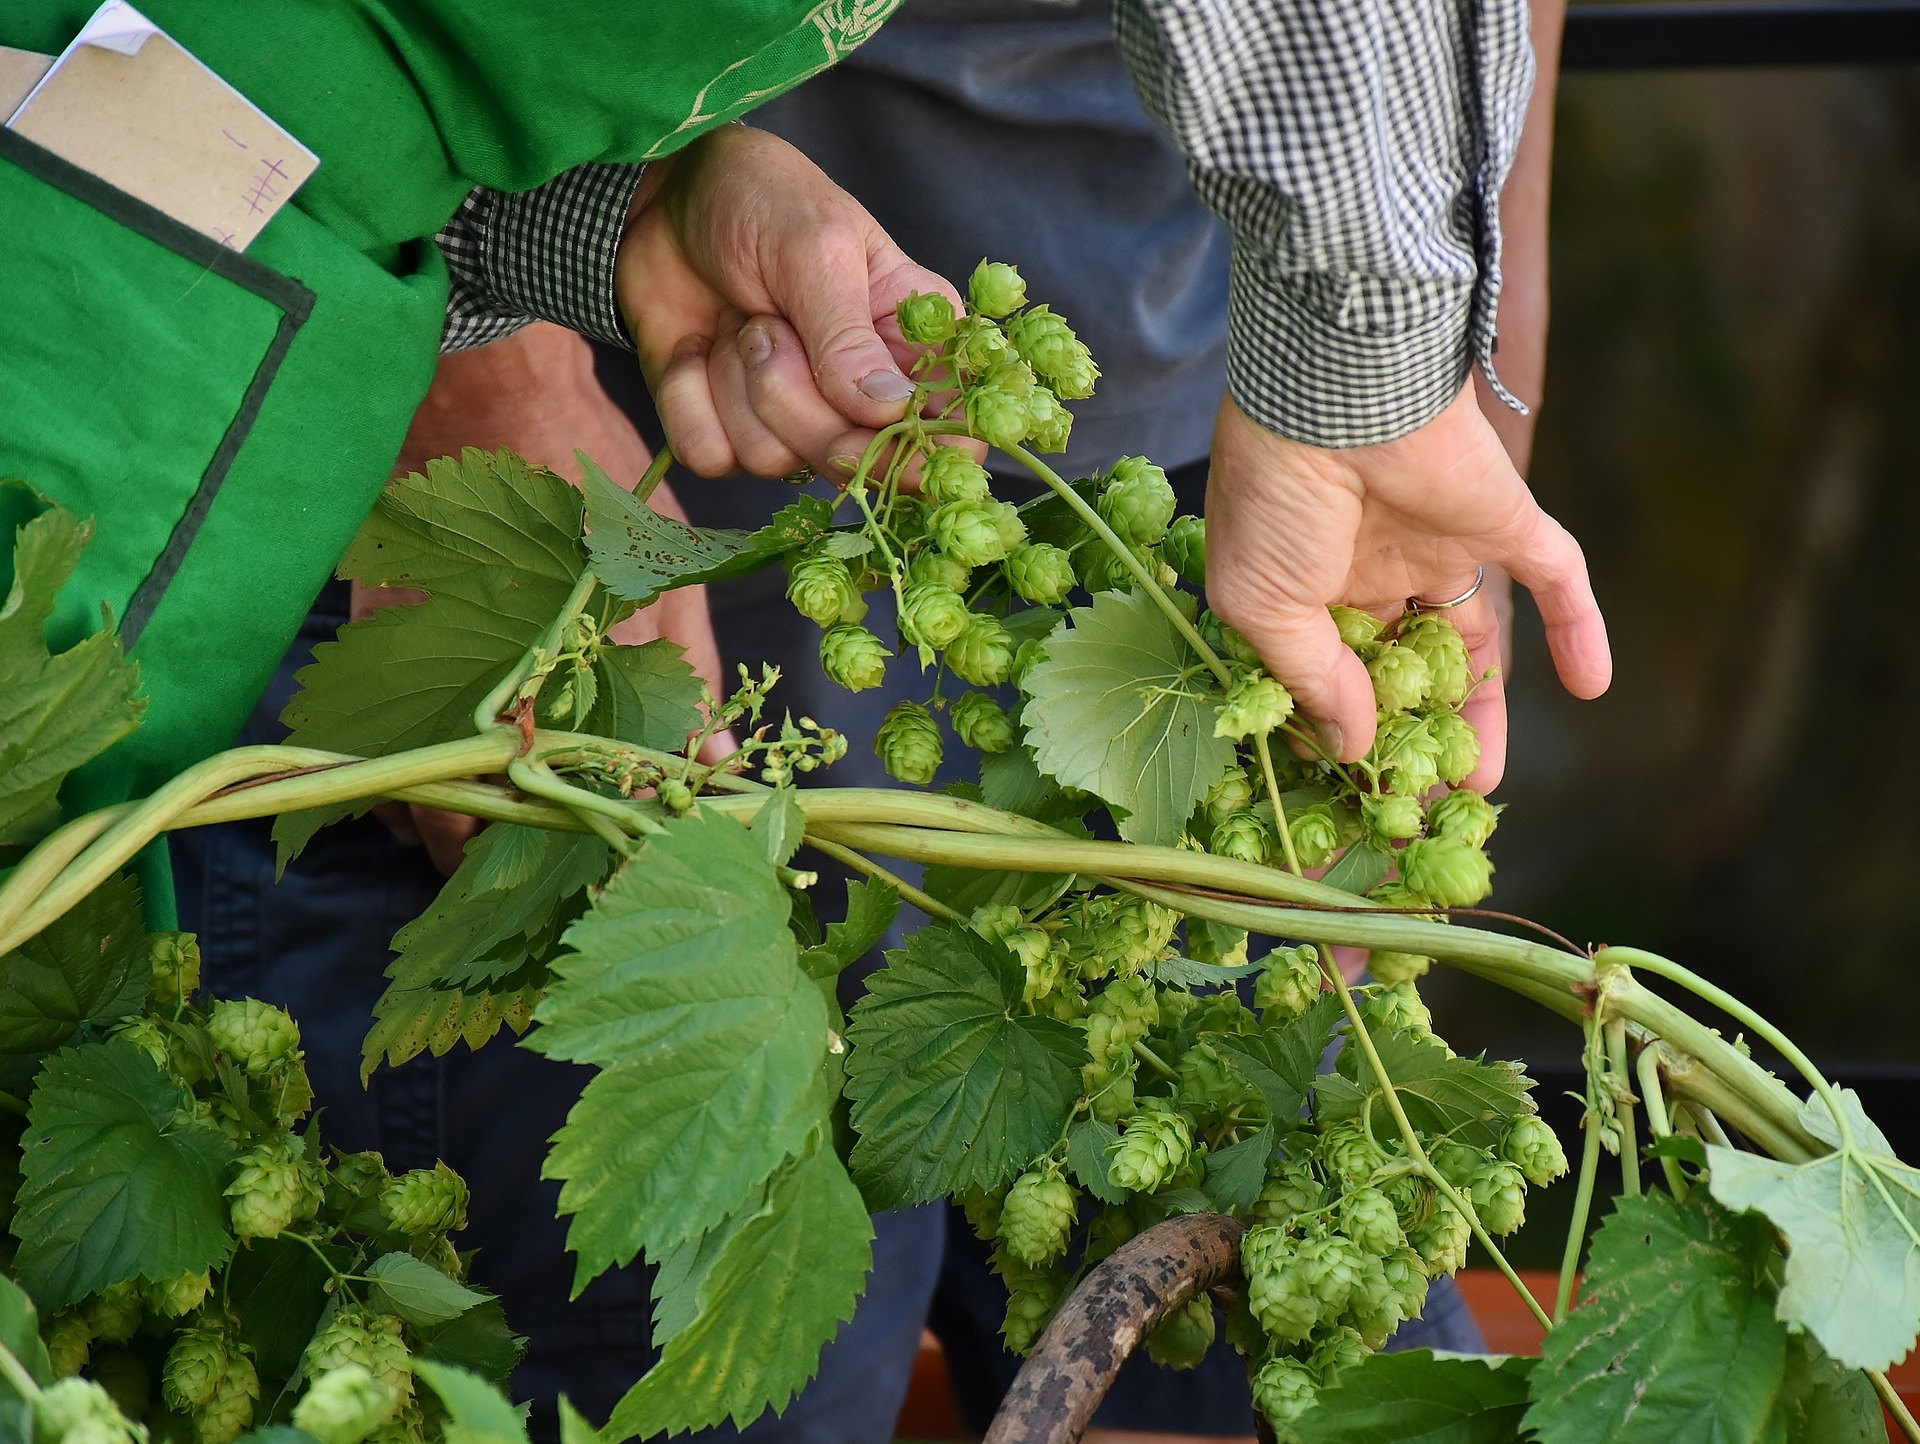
620	819
1582	1207
1653	1098
13	1104
655	474
1154	1061
859	862
1783	1045
486	716
1280	823
17	1375
1133	563
321	1254
1896	1406
1622	1075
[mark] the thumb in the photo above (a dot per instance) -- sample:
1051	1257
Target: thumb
830	304
1330	686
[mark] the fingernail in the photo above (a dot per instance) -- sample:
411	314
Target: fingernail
885	386
845	465
689	349
755	345
1332	737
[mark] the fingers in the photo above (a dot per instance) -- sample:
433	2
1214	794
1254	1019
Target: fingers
755	444
1329	684
1548	563
778	387
827	294
683	395
1479	624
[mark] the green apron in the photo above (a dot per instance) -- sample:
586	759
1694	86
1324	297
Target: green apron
227	420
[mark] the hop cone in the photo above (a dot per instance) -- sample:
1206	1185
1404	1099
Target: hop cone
1041	572
1006	521
1044	961
938	569
1464	816
982	723
1449	671
344	1405
1255	704
1316	834
426	1200
1456	1162
1349	1154
194	1366
1232	793
1283	1390
254	1034
853	657
1277	1291
1410	752
931	615
1154	1147
968	531
407	1426
951	474
1223	1012
76	1407
1358	629
358	1336
998	921
1330	1266
1241	836
1400	678
1111	1227
69	1343
148	1036
980	345
1049	424
1291	1191
172	1298
823	591
1499	1194
925	320
1341	1349
226	1415
268	1189
1216	943
1394	968
998	415
982	653
1138	931
1184	1336
1399	1007
1289	981
1391	817
1406	1275
1186	549
1457	747
1534	1148
1037	1216
1442	1241
174	960
1368	1217
996	289
114	1313
1446	871
1412	1199
983	1207
1121	1016
1138	501
1048	344
908	743
1209	1085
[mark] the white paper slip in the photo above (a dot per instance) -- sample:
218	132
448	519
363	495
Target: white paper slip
128	104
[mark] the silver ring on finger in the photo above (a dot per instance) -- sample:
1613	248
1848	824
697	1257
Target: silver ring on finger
1414	604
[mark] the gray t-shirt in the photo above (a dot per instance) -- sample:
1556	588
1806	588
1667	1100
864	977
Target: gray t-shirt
1009	129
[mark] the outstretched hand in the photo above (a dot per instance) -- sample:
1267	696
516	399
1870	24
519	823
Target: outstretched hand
1293	528
761	297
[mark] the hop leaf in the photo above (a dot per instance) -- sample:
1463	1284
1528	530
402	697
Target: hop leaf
996	289
254	1034
1447	871
982	653
1186	549
1154	1147
925	320
1184	1336
1464	815
1036	1217
822	590
908	743
853	657
1534	1148
1256	703
426	1201
969	532
1288	982
1138	501
344	1405
1400	678
981	723
1041	573
951	474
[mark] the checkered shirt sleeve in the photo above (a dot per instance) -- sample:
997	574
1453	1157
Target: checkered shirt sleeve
541	255
1356	150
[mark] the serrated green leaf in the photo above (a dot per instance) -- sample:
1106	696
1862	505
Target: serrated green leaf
648	695
1089	1147
683	986
277	1289
1012	781
1122	709
1851	1220
1465	1099
20	1333
846	545
574	1428
496	545
412	1021
417	1291
872	906
1415	1398
1175	971
88	966
1359	869
1236	1172
56	712
478	1341
115	1187
1675	1338
778	1290
1284	1063
477	1412
952	1088
638	553
1825	1403
778	825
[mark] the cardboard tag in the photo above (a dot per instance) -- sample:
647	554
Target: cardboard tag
20	71
126	103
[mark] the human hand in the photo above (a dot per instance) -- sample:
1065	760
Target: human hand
535	393
761	297
1293	528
